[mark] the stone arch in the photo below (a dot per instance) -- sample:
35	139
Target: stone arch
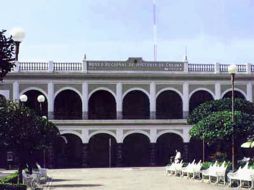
136	105
236	90
167	143
2	97
5	94
169	131
44	93
102	105
135	89
169	104
136	150
68	150
101	88
137	132
198	97
202	89
102	150
67	88
169	89
102	132
73	133
71	109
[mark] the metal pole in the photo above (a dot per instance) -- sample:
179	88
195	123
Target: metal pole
203	150
109	151
233	122
16	50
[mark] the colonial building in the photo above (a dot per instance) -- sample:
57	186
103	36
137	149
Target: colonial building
122	113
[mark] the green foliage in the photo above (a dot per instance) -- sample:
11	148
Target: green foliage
6	54
218	126
206	165
12	178
210	107
22	130
212	121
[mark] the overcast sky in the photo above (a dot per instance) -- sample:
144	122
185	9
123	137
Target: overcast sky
63	30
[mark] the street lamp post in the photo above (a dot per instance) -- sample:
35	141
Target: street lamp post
18	34
23	98
41	100
232	69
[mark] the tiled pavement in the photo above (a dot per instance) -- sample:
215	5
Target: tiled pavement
123	179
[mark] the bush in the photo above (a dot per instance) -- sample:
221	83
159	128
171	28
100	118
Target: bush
12	179
12	187
206	165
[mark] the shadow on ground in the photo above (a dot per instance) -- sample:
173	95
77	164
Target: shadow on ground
59	180
76	185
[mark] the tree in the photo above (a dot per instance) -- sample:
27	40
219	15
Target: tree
212	121
7	54
210	107
23	132
218	126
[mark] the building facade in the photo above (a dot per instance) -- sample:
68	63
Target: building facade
122	113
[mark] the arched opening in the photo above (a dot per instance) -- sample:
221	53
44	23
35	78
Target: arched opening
198	98
196	150
32	102
166	145
2	97
136	150
68	105
102	105
102	151
136	105
169	105
68	151
237	94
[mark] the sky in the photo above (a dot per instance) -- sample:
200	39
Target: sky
64	30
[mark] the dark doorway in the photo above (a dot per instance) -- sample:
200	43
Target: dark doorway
196	150
102	105
136	105
68	105
136	150
167	144
169	105
68	151
102	151
237	94
198	98
33	103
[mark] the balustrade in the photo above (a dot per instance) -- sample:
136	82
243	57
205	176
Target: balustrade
77	67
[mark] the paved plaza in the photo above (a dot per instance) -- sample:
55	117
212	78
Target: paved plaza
123	179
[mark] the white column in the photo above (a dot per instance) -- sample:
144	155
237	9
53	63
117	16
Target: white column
50	99
217	91
217	67
15	96
119	135
85	100
249	92
153	135
85	135
152	100
185	99
119	101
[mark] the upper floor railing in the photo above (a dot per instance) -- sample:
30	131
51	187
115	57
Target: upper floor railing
132	65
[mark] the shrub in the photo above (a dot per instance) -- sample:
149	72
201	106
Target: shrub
12	178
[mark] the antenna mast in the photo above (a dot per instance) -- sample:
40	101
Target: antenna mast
154	32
